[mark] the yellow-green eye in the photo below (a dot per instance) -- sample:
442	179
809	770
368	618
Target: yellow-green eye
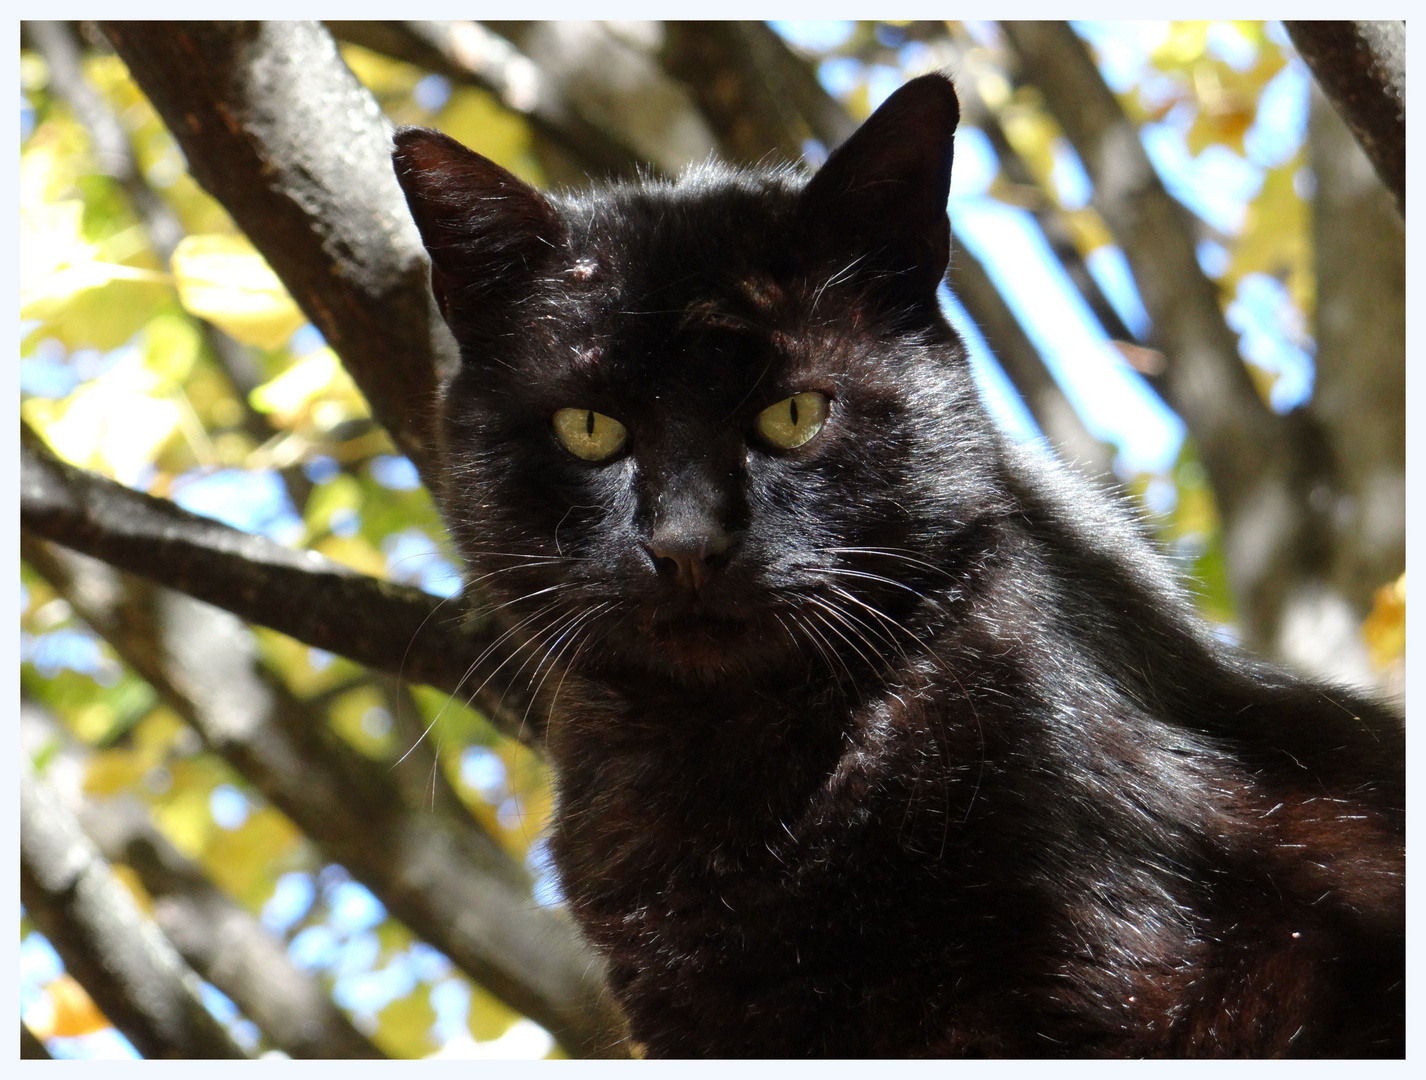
588	434
795	420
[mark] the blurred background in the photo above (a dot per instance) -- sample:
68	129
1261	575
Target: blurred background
1172	264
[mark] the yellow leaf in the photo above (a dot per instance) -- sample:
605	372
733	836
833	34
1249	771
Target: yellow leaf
51	238
244	862
81	298
34	71
74	1011
349	719
111	424
488	1018
355	552
1385	628
405	1025
112	771
289	396
1032	134
223	279
171	344
1184	44
380	74
55	156
185	819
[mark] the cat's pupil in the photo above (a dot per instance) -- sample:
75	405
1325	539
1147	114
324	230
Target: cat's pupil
589	424
792	403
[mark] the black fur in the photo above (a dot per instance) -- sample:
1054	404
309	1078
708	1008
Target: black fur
902	742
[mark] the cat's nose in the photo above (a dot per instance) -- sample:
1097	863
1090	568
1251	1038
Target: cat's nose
689	555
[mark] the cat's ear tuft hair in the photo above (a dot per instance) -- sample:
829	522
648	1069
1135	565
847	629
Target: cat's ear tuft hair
882	193
486	230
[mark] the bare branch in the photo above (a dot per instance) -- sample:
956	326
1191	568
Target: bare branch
1025	368
608	74
1361	66
741	75
125	963
280	132
302	594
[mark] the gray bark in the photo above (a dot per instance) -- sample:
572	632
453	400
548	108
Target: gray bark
469	53
1361	66
608	74
303	594
120	957
280	132
1359	398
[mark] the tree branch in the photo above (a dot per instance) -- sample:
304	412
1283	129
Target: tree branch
125	963
470	54
609	77
453	887
392	627
1361	67
1025	368
1260	471
276	128
741	74
218	939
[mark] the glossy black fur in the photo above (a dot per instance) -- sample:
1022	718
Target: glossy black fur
937	760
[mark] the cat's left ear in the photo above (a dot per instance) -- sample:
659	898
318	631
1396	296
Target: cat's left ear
882	193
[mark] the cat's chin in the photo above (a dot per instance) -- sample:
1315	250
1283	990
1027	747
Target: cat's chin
704	649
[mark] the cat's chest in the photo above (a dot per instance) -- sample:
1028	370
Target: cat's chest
737	821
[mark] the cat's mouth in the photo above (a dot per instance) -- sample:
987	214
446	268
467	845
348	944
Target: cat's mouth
702	646
695	627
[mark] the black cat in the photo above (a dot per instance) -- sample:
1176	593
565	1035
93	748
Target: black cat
874	735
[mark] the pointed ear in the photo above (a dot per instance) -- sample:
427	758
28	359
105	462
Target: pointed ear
882	194
487	231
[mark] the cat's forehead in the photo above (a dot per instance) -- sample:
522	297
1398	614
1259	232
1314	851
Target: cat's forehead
708	217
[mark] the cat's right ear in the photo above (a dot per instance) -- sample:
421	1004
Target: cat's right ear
487	231
882	194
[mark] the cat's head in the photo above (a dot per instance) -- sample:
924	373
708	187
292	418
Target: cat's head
704	426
